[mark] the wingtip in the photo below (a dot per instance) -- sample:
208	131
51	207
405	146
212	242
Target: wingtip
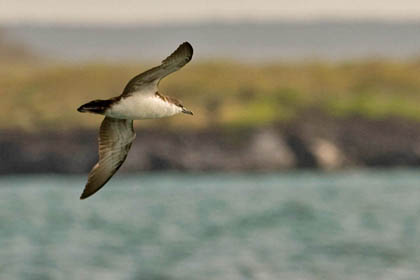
188	45
83	196
184	50
86	193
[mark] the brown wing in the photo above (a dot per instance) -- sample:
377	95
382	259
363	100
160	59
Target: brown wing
181	56
115	138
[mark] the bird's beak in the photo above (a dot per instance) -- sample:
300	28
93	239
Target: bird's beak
185	111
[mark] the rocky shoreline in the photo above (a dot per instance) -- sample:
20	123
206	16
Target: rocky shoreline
310	142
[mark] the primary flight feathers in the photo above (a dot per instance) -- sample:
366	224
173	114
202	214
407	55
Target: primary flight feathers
181	56
115	139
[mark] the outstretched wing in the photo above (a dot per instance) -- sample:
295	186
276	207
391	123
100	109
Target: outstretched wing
181	56
115	138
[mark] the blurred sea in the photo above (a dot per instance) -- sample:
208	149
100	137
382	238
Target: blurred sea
297	225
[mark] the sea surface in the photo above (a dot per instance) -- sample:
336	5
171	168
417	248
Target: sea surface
241	41
161	226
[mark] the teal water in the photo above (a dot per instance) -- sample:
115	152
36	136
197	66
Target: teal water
299	225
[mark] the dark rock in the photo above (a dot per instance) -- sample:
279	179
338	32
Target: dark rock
310	142
268	150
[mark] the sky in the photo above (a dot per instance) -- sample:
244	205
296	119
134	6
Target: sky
160	11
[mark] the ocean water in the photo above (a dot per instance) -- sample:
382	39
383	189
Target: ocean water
162	226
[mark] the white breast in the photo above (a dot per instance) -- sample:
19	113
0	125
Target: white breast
141	106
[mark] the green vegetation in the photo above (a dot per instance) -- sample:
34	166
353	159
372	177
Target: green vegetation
45	96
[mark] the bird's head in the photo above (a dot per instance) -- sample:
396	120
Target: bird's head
176	103
186	111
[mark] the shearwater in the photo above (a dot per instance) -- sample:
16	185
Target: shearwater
139	100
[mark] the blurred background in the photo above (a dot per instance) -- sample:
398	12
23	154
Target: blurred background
300	162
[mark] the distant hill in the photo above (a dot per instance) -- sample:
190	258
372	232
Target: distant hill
249	41
11	50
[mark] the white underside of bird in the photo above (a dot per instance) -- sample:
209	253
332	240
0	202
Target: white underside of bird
142	106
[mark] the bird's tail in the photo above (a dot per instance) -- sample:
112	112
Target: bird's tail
95	106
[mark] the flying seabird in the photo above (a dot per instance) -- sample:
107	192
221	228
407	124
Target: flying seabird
139	100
